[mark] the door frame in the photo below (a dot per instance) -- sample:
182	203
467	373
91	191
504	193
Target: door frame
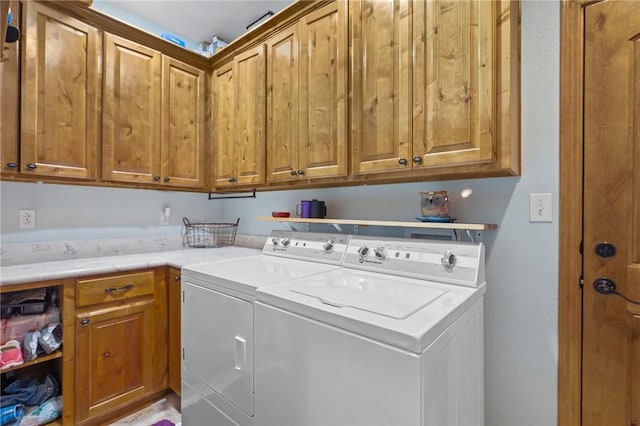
571	211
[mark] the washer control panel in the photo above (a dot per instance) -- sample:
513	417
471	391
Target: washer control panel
445	261
319	247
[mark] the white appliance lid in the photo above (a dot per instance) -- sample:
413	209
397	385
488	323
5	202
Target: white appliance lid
384	295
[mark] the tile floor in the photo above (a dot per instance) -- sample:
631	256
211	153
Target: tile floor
166	408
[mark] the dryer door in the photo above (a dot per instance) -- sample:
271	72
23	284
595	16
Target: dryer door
217	337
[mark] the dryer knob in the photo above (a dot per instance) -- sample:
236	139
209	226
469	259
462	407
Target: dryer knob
380	252
363	251
328	246
285	242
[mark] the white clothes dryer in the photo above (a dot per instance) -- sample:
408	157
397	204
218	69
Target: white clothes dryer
218	336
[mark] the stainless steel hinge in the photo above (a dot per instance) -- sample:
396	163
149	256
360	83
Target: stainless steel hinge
581	282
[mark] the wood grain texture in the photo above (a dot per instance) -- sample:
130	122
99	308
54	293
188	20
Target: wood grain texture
111	288
223	106
158	341
183	124
380	75
131	112
571	222
323	92
611	77
283	114
175	344
10	98
4	12
455	101
60	98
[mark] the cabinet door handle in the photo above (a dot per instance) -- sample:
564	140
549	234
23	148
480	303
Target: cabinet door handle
116	289
166	179
301	172
293	173
31	166
12	165
232	180
106	354
402	161
84	321
417	160
156	178
176	278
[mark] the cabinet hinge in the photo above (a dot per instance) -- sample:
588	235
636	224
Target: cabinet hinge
581	282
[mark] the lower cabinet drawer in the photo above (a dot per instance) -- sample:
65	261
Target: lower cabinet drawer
116	287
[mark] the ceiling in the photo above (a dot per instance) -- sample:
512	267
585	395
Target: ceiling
201	20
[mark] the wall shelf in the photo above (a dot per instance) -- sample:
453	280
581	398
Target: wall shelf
476	228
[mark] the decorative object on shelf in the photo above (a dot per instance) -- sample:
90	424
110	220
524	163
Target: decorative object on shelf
280	214
211	235
434	204
436	219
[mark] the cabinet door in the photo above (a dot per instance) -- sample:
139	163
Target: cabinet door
380	38
323	92
60	95
223	106
10	101
175	344
113	357
131	112
283	69
250	87
183	124
453	86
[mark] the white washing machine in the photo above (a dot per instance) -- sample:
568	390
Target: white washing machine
393	338
218	322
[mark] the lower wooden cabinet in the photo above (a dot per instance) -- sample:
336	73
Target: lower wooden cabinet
121	342
175	345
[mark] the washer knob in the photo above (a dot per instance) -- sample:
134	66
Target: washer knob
285	242
275	241
448	260
380	252
363	251
328	246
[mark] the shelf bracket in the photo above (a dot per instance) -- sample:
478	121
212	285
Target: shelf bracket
226	197
290	226
337	226
356	229
475	236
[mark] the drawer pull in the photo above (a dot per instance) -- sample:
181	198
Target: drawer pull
116	289
84	321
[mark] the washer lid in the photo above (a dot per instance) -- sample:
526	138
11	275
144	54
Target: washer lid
388	296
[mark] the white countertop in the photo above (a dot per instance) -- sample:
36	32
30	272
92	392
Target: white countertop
32	272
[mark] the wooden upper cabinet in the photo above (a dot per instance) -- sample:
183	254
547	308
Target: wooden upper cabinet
183	124
131	112
240	120
323	92
380	110
465	83
283	114
10	102
60	95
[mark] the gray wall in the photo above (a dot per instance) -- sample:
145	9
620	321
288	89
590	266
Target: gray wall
521	341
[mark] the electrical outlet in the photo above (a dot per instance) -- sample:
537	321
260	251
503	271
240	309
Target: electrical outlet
540	208
164	219
27	219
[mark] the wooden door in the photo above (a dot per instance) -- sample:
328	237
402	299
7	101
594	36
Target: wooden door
10	100
323	92
380	114
183	124
131	112
283	138
113	357
175	343
454	99
60	95
611	325
250	91
224	138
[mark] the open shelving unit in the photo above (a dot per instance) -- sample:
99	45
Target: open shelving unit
473	230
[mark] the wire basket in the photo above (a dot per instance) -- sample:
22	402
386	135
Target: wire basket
202	235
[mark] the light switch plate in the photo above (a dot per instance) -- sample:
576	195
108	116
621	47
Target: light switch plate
540	209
